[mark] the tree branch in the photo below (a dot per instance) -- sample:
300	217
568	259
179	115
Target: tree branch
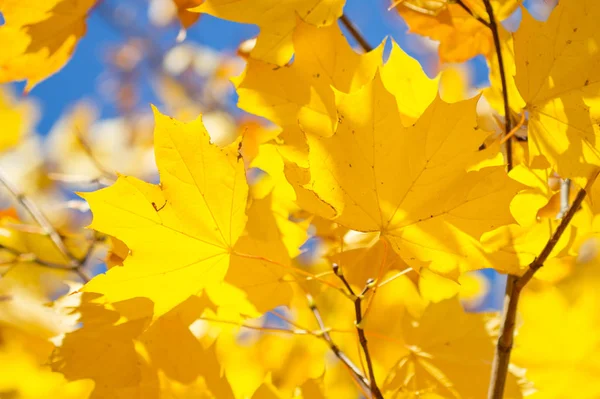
514	287
375	391
507	120
355	33
324	333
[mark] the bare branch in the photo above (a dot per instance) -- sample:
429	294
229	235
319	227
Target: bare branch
39	218
353	30
514	287
73	263
375	391
493	25
106	174
324	333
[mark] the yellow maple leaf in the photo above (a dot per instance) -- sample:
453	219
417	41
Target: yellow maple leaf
535	209
411	183
197	213
450	359
27	326
301	92
412	88
260	260
127	358
22	377
558	79
562	317
39	37
276	20
263	153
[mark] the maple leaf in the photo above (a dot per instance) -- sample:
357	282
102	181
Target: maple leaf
559	81
276	21
411	183
22	377
127	358
535	209
450	359
196	212
260	260
461	35
28	327
39	37
263	153
412	88
564	318
301	92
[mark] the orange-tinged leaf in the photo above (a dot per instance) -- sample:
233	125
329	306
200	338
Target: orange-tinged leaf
187	17
197	213
39	37
276	20
460	34
117	253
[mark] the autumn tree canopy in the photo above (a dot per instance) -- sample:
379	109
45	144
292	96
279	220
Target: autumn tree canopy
323	235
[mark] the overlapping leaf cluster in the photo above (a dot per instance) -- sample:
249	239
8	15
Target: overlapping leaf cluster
210	292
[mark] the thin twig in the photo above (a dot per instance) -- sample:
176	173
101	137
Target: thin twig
106	174
360	39
477	17
73	264
507	120
514	287
324	333
29	257
375	391
40	219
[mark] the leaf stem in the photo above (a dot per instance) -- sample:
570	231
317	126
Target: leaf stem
514	286
360	39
